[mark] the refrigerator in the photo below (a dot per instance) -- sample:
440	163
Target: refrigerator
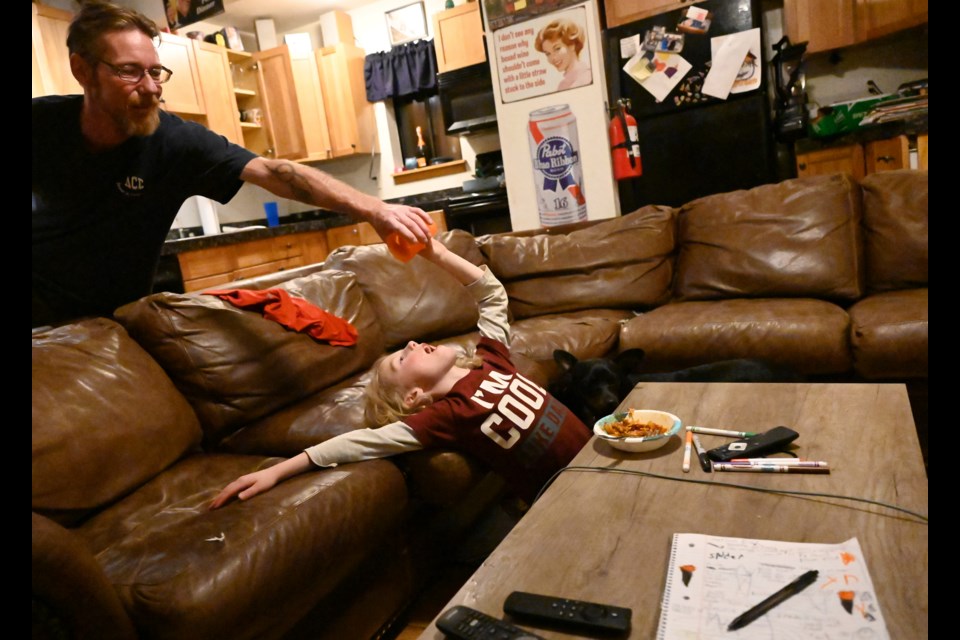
691	144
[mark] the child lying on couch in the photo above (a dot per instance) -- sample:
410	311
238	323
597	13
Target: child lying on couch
432	397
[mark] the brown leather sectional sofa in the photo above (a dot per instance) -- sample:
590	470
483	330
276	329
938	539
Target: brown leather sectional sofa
140	420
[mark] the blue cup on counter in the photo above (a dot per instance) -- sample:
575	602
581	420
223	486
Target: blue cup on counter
273	214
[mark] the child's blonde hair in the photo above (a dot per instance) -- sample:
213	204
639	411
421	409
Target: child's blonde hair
385	400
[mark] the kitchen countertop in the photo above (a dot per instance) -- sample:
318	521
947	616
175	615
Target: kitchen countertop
318	220
864	134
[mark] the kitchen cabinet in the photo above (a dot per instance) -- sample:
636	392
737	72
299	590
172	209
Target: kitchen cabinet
844	159
207	268
887	155
620	12
922	152
831	24
182	94
458	37
350	120
245	72
220	105
860	160
51	59
278	94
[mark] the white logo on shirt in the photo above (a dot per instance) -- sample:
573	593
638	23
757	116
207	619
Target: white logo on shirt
131	186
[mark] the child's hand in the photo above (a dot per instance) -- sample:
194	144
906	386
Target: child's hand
245	487
433	250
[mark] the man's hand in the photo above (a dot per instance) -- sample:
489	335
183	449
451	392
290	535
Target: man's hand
410	222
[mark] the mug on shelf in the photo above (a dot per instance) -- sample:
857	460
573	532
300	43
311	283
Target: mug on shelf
253	116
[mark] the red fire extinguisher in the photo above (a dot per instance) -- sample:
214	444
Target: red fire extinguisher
625	143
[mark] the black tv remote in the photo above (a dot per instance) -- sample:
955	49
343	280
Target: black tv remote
460	621
570	614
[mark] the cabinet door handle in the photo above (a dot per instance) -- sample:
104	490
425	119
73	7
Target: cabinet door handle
885	159
802	166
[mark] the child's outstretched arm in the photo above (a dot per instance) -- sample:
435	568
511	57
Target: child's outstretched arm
251	484
463	270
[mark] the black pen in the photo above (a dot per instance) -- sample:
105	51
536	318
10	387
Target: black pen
758	610
705	463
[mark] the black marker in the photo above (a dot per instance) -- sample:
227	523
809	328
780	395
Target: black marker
791	589
705	463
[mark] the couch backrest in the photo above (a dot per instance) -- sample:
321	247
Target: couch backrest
797	238
106	418
895	229
234	366
624	262
415	300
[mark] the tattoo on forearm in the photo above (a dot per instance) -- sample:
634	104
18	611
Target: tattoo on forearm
287	171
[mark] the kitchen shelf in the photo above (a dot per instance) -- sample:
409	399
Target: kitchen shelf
432	171
244	92
250	125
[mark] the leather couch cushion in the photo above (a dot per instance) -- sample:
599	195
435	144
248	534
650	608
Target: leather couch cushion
805	335
797	238
106	419
415	300
890	335
624	263
895	229
234	366
185	572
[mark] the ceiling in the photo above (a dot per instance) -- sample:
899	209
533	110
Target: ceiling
286	14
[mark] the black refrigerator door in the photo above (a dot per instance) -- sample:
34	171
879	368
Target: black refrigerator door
727	16
690	150
698	152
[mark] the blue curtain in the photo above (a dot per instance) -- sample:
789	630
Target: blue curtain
409	69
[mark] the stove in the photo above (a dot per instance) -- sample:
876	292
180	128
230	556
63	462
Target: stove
479	212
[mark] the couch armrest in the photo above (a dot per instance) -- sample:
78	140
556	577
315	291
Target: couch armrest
68	582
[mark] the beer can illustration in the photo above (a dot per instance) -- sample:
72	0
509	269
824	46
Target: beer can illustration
557	173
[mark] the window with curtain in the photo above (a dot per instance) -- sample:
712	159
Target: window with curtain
407	75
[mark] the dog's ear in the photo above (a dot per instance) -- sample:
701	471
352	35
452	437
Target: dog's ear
565	359
629	360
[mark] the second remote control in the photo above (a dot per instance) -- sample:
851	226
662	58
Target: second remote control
573	614
466	623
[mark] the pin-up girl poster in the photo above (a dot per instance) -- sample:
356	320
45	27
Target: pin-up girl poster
544	55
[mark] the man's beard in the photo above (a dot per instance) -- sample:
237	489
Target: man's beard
146	122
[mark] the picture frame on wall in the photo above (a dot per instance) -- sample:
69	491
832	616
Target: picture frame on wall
406	23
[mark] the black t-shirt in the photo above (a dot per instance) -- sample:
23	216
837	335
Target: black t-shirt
100	219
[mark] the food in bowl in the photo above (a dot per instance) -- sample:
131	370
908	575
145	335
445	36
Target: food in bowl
659	427
633	426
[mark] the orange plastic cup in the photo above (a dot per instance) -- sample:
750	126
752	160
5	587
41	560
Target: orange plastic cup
404	250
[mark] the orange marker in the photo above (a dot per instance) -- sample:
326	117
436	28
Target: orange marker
687	451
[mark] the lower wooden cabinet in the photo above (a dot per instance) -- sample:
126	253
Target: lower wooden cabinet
862	159
206	268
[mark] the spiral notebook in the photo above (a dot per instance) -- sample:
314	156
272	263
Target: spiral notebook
713	579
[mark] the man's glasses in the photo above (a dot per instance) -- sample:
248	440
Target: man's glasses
133	73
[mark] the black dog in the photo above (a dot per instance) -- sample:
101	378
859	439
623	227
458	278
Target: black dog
594	388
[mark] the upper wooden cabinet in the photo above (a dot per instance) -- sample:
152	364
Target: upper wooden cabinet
458	37
622	11
213	67
278	95
831	24
350	120
182	94
51	60
316	104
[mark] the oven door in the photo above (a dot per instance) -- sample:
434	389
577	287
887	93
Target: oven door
479	213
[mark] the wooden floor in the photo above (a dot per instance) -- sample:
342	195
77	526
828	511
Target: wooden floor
432	601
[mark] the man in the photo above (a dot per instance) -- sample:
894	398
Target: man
111	171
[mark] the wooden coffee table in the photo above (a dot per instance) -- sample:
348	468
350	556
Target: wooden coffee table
605	536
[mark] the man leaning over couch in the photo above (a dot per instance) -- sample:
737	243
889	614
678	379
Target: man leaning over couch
111	170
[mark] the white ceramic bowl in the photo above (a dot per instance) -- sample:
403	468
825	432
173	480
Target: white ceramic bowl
649	443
